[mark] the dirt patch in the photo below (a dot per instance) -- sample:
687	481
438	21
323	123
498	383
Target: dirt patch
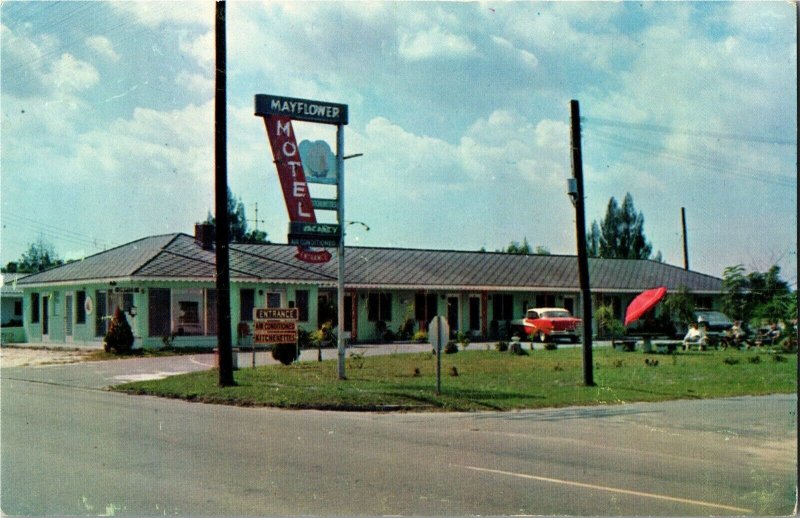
24	357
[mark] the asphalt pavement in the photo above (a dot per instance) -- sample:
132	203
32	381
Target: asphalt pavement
68	446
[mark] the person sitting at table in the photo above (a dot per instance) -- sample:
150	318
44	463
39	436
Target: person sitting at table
736	335
695	335
769	336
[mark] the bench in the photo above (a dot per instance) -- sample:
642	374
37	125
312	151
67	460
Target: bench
667	346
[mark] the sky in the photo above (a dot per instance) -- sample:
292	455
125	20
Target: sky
461	112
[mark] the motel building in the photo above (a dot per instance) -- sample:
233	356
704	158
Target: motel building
166	286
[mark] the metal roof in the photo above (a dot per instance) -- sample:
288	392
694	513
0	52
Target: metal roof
8	283
178	257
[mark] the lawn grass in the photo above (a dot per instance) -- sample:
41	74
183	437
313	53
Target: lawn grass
488	380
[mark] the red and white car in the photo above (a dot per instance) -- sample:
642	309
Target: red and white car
545	324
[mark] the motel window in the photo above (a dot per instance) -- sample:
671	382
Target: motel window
273	299
503	306
348	313
187	312
80	307
380	307
545	300
301	303
158	312
211	312
17	308
247	298
34	308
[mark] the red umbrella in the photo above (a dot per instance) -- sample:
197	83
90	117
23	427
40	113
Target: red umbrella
643	303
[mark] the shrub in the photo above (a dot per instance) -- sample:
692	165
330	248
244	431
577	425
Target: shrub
119	338
516	348
406	329
420	336
754	359
463	339
451	348
356	360
501	346
731	361
384	334
285	353
304	338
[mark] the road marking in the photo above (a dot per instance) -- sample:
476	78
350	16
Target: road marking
146	376
191	359
606	488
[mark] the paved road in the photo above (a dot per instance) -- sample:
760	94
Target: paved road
70	447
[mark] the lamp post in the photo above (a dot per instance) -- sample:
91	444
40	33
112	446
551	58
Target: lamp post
576	194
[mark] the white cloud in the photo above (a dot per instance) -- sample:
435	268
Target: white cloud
200	84
103	47
155	14
434	43
201	48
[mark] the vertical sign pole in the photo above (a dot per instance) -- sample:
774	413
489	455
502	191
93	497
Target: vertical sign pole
583	262
224	345
685	244
439	331
340	216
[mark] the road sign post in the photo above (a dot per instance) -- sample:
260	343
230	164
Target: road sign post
438	332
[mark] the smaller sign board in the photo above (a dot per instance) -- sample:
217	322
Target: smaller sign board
327	230
325	204
318	161
275	325
301	109
312	242
275	313
314	234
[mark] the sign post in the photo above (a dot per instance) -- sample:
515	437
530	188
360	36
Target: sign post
438	332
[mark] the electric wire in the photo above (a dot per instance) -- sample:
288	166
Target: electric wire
683	131
649	148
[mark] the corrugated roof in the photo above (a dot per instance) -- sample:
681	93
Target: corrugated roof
8	283
179	257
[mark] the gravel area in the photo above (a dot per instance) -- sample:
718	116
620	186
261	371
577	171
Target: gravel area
28	356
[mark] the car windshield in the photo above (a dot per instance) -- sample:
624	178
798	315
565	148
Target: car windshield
555	314
713	317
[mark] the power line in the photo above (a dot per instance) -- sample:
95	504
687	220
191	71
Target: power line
684	131
55	232
694	160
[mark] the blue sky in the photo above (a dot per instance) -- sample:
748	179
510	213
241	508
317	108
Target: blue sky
461	111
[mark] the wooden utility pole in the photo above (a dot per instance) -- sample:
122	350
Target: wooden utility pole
224	346
685	245
580	227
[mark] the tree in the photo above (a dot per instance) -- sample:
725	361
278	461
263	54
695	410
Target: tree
237	223
520	249
757	295
680	306
734	297
621	234
119	338
40	256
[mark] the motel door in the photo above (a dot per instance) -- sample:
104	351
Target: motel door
45	316
475	314
68	315
452	314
